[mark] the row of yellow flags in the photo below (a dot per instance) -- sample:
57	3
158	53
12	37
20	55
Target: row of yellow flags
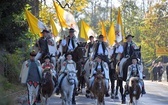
67	20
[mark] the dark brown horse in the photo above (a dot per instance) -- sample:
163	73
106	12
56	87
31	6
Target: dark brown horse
134	90
47	85
79	57
98	88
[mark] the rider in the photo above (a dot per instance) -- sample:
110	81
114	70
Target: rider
70	42
129	46
42	44
89	46
117	53
47	65
103	66
134	71
31	74
68	65
52	49
100	48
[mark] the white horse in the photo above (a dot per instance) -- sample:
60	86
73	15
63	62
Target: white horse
67	87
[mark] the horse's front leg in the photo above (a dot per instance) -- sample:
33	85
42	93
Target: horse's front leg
64	97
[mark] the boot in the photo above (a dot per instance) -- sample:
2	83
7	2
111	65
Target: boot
126	90
107	94
57	91
143	90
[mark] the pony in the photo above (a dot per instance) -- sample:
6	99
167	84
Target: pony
47	85
134	90
67	88
137	54
98	88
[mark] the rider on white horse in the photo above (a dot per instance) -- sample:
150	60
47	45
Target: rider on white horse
68	65
47	65
129	47
134	71
103	66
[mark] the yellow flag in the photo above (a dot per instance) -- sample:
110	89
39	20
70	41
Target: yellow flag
53	27
60	13
85	31
111	35
66	19
35	25
119	30
104	31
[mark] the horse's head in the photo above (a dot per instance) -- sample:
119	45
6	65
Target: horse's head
99	79
134	84
80	49
47	76
71	75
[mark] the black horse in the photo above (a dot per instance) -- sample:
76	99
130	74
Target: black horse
137	54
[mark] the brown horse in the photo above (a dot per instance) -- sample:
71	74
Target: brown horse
98	88
47	85
134	90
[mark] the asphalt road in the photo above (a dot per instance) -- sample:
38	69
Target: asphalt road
157	94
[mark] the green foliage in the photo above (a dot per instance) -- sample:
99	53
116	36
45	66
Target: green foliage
12	24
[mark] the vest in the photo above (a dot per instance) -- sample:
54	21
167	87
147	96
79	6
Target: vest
104	48
130	52
101	67
133	72
43	45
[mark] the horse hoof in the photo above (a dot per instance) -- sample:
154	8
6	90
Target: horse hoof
123	102
112	97
73	103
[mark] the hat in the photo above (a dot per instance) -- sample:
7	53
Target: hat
47	57
67	54
128	36
71	30
101	36
33	53
45	31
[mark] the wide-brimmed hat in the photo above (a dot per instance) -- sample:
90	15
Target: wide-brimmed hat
33	53
129	36
45	31
71	30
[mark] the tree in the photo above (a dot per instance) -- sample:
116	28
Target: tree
12	24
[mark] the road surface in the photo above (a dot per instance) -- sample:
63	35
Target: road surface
157	94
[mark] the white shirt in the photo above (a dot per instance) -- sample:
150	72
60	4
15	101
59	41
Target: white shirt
70	47
52	50
119	49
100	50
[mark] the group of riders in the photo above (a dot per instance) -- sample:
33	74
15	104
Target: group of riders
108	60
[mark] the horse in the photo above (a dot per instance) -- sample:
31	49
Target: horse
137	54
134	90
47	85
67	88
78	56
98	88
